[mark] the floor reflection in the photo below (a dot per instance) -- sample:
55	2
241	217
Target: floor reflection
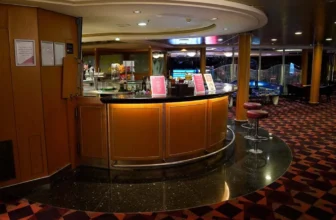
233	173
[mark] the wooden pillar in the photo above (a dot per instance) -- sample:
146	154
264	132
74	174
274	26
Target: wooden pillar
318	51
203	60
150	61
97	59
316	76
165	64
243	75
304	67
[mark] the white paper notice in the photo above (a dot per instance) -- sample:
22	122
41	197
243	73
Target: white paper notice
47	50
25	53
59	53
210	83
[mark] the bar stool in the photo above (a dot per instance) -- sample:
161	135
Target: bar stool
256	115
250	106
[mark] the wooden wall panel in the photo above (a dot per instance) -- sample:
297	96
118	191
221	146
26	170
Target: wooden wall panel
56	28
135	131
22	23
7	117
217	121
186	128
3	17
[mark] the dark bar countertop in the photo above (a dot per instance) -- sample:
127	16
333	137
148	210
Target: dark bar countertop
133	98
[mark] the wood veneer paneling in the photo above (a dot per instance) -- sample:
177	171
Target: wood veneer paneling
22	24
93	132
186	128
217	121
3	17
135	131
56	27
7	117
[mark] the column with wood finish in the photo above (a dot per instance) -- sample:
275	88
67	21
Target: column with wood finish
304	67
97	59
150	61
243	75
203	60
318	51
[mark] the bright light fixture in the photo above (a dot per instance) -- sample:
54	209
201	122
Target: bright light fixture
142	24
214	19
117	39
136	12
184	50
268	177
290	50
191	54
329	39
274	39
220	39
211	48
298	33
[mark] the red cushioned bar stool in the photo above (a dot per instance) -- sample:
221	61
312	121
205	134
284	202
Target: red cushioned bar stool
250	106
256	115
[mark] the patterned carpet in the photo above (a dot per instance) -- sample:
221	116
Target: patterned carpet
306	191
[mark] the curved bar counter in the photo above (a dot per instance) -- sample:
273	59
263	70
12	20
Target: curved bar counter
165	130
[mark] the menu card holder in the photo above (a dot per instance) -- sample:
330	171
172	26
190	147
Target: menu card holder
199	83
158	86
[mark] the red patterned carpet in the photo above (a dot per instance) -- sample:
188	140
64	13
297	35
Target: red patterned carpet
306	191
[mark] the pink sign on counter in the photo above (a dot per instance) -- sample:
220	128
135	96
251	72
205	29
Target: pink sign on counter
158	86
199	83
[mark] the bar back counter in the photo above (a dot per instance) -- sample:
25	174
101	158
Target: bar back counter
140	131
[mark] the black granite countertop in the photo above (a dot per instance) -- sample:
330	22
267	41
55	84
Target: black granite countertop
124	99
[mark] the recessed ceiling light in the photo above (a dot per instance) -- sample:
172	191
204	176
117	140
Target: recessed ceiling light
136	12
298	33
335	22
142	24
184	50
214	19
274	39
117	39
220	39
329	39
225	29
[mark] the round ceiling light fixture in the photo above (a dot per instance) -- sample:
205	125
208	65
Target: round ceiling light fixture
328	39
214	19
184	50
137	12
142	24
298	33
274	39
117	39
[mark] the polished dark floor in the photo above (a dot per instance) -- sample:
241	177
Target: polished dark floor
307	190
234	173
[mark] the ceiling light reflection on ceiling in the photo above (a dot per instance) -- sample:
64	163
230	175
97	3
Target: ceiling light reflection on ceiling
117	39
329	39
214	19
298	33
142	24
136	12
274	39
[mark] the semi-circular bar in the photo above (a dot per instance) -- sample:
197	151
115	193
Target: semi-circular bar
145	131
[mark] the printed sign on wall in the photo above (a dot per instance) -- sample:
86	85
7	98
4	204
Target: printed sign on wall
25	52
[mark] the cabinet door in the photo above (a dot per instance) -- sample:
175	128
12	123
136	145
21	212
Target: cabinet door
93	135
